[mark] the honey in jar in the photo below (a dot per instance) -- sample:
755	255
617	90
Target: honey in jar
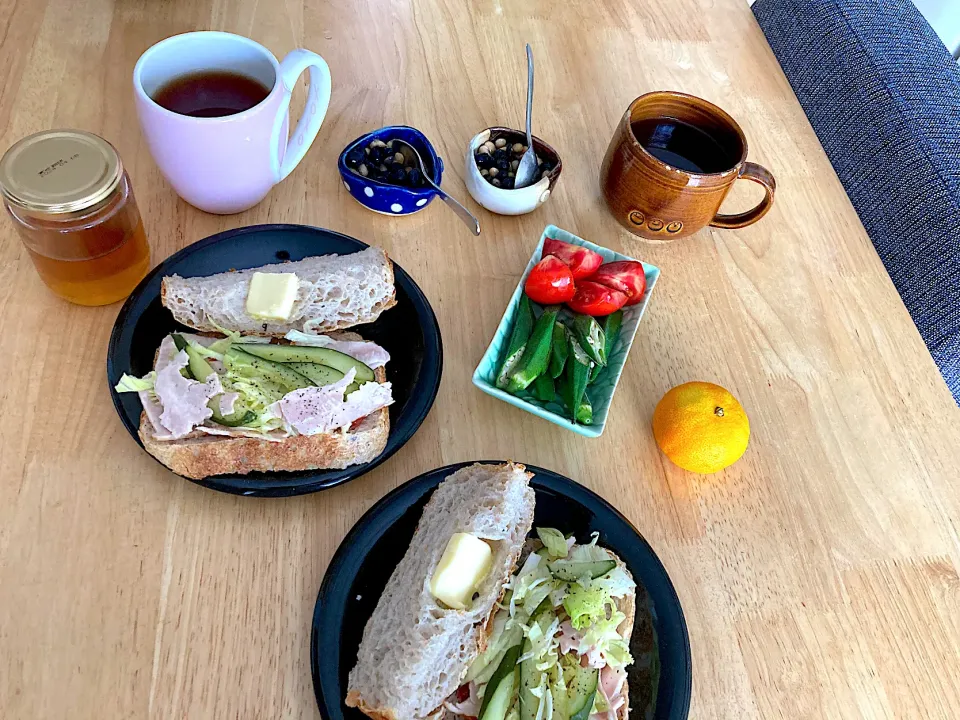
73	206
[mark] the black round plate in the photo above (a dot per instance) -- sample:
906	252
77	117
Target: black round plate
409	332
365	559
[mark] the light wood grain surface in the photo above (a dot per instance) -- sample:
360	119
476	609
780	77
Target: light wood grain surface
819	575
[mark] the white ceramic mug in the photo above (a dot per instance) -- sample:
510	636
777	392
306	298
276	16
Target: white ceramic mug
228	164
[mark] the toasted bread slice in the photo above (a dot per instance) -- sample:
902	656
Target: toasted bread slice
199	456
336	291
415	651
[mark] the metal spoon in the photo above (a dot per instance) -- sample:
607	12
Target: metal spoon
468	218
527	169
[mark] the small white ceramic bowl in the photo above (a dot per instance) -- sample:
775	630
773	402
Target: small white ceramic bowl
511	202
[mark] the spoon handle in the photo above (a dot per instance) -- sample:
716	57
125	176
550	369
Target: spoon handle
529	95
468	218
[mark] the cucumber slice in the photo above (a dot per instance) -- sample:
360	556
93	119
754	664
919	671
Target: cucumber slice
200	369
278	373
320	355
572	571
319	374
322	374
235	420
498	696
529	680
582	691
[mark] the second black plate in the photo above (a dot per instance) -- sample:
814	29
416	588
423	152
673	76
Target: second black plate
661	676
408	331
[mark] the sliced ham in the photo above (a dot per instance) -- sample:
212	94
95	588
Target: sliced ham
184	401
369	353
315	410
467	703
570	638
228	402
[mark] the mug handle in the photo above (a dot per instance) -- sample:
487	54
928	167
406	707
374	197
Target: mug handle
318	99
761	176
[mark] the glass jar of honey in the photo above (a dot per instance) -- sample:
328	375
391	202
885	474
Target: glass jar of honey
73	206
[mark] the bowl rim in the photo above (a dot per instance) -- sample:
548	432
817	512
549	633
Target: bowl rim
435	160
539	185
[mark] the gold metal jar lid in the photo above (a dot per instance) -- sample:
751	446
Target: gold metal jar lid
56	172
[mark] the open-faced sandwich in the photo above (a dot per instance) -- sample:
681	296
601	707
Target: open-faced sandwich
259	386
460	633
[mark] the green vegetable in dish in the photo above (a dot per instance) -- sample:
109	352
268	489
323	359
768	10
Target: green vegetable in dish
522	327
611	325
559	350
575	377
591	338
536	356
543	388
584	414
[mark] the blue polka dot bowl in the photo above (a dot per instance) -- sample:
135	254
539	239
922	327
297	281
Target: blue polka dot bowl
382	197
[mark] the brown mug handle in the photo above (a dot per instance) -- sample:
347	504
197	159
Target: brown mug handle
762	176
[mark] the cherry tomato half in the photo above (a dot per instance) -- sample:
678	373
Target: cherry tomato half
582	262
595	299
627	276
550	282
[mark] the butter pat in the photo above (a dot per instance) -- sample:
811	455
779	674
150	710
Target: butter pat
464	564
271	296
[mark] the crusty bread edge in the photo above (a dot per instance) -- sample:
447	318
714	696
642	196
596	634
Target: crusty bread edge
628	606
342	325
202	457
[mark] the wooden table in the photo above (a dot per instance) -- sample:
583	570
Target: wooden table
819	575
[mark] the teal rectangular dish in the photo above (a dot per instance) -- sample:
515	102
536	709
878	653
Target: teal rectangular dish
600	391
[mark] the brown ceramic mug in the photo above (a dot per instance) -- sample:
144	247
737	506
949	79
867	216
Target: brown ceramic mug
645	187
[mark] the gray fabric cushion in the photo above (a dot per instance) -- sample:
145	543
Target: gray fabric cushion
883	95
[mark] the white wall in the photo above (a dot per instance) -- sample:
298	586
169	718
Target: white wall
944	17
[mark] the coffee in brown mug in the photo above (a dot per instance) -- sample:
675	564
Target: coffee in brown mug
671	163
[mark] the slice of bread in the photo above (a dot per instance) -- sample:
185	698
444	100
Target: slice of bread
414	652
198	456
336	291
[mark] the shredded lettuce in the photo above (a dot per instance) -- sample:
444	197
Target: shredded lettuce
128	383
301	338
585	605
257	394
544	642
554	541
532	575
603	635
